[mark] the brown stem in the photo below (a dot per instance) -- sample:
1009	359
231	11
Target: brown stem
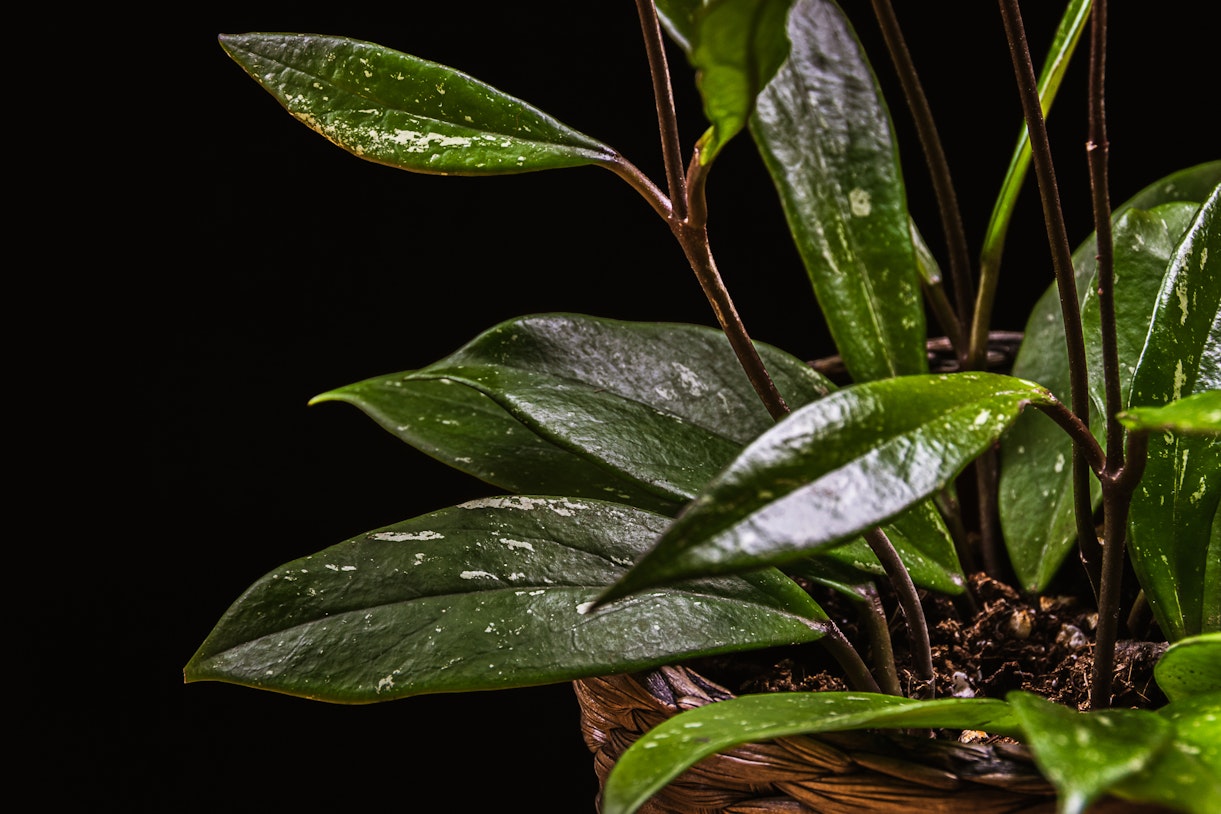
663	95
913	611
859	677
939	171
874	619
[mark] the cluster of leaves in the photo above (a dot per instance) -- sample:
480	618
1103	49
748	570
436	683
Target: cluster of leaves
666	483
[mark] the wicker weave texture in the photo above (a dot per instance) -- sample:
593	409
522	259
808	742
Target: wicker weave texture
844	773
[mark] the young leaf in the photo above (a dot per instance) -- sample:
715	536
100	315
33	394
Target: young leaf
833	469
1197	414
679	742
490	594
735	47
1085	754
395	109
825	135
643	413
1174	545
1035	495
1190	667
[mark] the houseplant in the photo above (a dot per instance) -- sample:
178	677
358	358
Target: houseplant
539	459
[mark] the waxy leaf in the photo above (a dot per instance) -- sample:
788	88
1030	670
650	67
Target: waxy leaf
735	47
395	109
1186	775
1190	667
673	746
825	135
834	469
640	413
494	593
1197	414
1035	495
1085	754
1175	547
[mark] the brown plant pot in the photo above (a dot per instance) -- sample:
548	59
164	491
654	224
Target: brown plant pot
840	773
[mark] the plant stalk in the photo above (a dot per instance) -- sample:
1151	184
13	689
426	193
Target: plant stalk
913	611
873	617
663	94
859	677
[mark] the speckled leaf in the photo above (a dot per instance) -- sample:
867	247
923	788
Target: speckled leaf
1197	414
642	413
395	109
735	47
670	748
1174	546
490	594
826	138
1186	774
1190	667
1085	754
834	469
1035	495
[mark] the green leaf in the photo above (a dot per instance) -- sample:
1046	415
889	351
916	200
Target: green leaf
834	469
1035	494
490	594
825	136
735	47
395	109
641	413
1174	547
679	742
1085	754
1197	414
1190	667
1186	775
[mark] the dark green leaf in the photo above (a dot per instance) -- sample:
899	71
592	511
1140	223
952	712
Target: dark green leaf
676	744
1186	775
1174	547
1035	497
1190	667
736	47
643	413
1085	754
396	109
1197	414
834	469
490	594
825	135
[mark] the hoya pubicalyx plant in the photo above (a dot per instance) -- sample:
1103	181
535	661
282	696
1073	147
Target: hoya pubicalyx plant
668	489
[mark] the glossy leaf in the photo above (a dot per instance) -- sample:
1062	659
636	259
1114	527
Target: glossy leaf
1197	414
826	138
1086	754
834	469
641	413
735	47
670	748
1035	494
490	594
1186	775
395	109
1190	667
1174	546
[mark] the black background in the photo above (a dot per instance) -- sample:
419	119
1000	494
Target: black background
308	268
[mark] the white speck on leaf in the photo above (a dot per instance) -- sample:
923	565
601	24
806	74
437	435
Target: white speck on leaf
860	203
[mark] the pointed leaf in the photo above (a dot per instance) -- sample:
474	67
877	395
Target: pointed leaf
834	469
1174	548
392	108
825	135
1035	496
490	594
736	47
644	413
1190	667
673	746
1197	414
1084	754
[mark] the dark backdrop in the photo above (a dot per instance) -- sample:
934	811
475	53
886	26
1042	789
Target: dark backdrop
310	269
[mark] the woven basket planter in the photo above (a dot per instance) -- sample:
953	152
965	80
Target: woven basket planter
842	773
